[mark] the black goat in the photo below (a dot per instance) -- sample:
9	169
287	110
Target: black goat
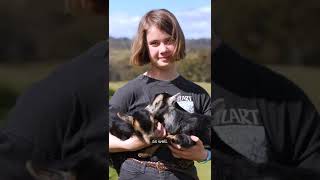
179	123
123	126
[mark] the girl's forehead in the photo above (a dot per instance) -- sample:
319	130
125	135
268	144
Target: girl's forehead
156	30
154	33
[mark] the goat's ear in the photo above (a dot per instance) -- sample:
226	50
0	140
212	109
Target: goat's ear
126	118
173	99
40	173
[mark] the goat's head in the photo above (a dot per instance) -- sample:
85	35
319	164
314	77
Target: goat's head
143	123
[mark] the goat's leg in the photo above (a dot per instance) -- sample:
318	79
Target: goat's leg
183	140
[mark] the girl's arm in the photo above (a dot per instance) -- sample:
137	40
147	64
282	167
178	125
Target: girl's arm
131	144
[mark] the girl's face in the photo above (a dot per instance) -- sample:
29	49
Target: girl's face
161	47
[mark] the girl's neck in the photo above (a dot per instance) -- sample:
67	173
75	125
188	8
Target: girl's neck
162	74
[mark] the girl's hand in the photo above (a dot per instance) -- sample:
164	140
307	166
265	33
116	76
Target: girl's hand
196	152
134	143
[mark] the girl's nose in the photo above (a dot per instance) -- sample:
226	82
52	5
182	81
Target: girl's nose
163	48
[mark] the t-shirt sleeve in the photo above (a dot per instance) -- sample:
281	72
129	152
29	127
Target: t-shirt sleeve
121	99
207	109
307	136
120	102
35	127
294	133
203	103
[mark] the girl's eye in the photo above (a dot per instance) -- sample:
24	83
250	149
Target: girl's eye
169	41
154	43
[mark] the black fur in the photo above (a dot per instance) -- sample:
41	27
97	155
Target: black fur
182	124
227	164
186	124
125	130
118	127
143	118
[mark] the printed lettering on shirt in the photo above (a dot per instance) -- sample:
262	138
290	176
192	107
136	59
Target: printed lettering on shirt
235	115
241	128
186	103
238	116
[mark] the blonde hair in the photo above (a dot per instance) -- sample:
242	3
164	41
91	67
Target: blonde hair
165	21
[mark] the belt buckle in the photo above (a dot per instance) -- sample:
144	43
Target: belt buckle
160	168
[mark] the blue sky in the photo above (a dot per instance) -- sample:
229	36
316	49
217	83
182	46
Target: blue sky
194	16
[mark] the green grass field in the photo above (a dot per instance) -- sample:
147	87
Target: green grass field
307	78
20	76
204	170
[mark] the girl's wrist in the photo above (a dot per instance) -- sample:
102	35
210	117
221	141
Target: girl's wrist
206	156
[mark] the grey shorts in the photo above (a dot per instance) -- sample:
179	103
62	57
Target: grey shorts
133	170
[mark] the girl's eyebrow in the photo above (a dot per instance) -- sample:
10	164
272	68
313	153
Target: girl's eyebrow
165	39
153	41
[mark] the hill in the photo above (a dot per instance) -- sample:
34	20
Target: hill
125	43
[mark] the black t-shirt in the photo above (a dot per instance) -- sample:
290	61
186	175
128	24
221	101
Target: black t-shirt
139	92
58	117
261	114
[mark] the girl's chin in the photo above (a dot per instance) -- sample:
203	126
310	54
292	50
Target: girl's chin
164	60
163	65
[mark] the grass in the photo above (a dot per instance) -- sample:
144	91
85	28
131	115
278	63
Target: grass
116	85
19	77
307	78
204	170
112	174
